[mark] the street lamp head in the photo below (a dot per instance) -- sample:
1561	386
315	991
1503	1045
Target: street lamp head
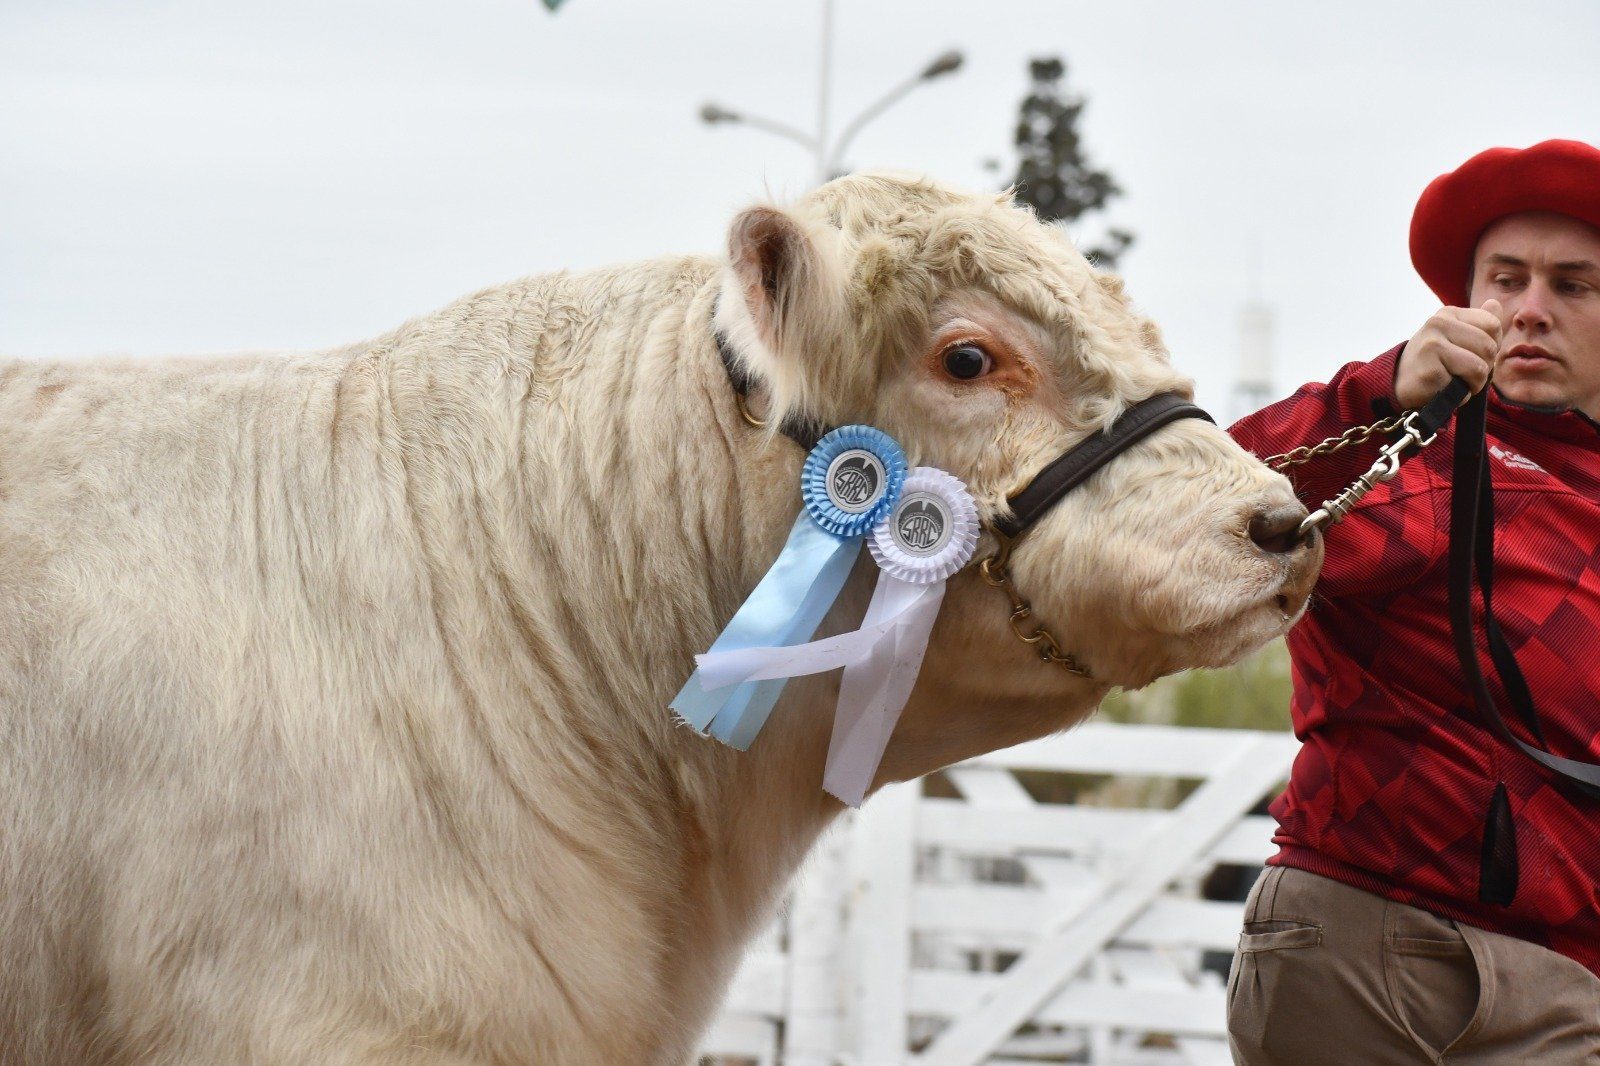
711	114
948	63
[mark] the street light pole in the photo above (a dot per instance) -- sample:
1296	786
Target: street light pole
948	63
827	159
824	85
711	114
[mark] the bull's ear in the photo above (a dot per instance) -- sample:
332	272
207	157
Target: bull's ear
780	271
786	317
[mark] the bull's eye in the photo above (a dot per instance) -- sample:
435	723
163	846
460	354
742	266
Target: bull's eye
967	361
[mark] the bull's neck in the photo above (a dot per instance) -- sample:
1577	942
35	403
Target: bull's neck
593	510
755	813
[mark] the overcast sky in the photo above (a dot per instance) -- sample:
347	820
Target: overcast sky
204	175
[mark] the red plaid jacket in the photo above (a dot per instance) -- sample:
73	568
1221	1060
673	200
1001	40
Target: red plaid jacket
1394	789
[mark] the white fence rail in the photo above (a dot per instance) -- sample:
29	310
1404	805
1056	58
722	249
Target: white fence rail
997	924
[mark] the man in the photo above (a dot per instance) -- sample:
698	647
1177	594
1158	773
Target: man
1436	895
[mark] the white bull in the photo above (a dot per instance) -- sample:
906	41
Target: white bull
333	687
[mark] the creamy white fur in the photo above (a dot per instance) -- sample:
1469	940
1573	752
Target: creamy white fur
333	687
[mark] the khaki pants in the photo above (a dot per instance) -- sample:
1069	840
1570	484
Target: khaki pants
1326	973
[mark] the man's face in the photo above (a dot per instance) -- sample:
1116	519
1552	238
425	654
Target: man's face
1544	269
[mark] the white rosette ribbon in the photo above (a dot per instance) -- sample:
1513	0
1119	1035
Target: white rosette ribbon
929	535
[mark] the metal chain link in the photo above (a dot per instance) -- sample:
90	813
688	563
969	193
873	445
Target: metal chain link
1353	435
996	573
1383	469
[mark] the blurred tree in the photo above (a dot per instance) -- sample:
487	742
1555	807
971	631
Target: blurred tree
1252	694
1054	176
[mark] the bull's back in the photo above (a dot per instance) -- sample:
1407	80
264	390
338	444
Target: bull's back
137	709
137	501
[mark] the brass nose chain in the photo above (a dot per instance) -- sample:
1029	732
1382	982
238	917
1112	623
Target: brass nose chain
1060	476
996	571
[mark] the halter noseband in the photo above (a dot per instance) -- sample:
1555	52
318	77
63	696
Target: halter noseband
1063	474
1075	465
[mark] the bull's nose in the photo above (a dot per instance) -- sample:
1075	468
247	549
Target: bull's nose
1276	530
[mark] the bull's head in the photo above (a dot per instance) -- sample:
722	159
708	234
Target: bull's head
987	345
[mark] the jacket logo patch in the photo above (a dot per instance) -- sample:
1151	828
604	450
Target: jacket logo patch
1513	460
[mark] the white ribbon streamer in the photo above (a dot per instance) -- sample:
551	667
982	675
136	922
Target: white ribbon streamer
928	536
718	669
874	691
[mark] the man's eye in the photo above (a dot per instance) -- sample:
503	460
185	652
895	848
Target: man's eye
967	361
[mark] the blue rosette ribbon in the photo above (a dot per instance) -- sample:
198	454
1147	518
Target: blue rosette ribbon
850	481
928	536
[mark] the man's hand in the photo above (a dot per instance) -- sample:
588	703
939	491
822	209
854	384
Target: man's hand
1456	342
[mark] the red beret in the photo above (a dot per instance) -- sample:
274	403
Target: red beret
1455	208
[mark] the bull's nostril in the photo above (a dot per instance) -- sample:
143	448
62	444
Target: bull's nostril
1277	531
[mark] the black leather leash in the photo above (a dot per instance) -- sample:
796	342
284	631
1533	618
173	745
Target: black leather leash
1471	559
1472	553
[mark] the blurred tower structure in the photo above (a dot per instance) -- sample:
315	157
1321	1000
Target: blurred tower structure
1252	383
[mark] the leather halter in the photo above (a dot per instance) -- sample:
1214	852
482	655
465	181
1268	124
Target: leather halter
803	431
1074	466
1063	474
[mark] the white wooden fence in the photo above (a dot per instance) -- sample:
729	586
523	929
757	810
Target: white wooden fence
996	928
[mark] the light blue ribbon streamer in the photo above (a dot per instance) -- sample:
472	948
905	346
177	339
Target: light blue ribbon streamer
791	599
785	608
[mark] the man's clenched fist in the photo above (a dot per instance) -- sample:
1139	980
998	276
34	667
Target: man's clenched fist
1456	342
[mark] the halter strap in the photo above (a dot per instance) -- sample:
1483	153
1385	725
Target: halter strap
1065	473
803	431
1075	466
